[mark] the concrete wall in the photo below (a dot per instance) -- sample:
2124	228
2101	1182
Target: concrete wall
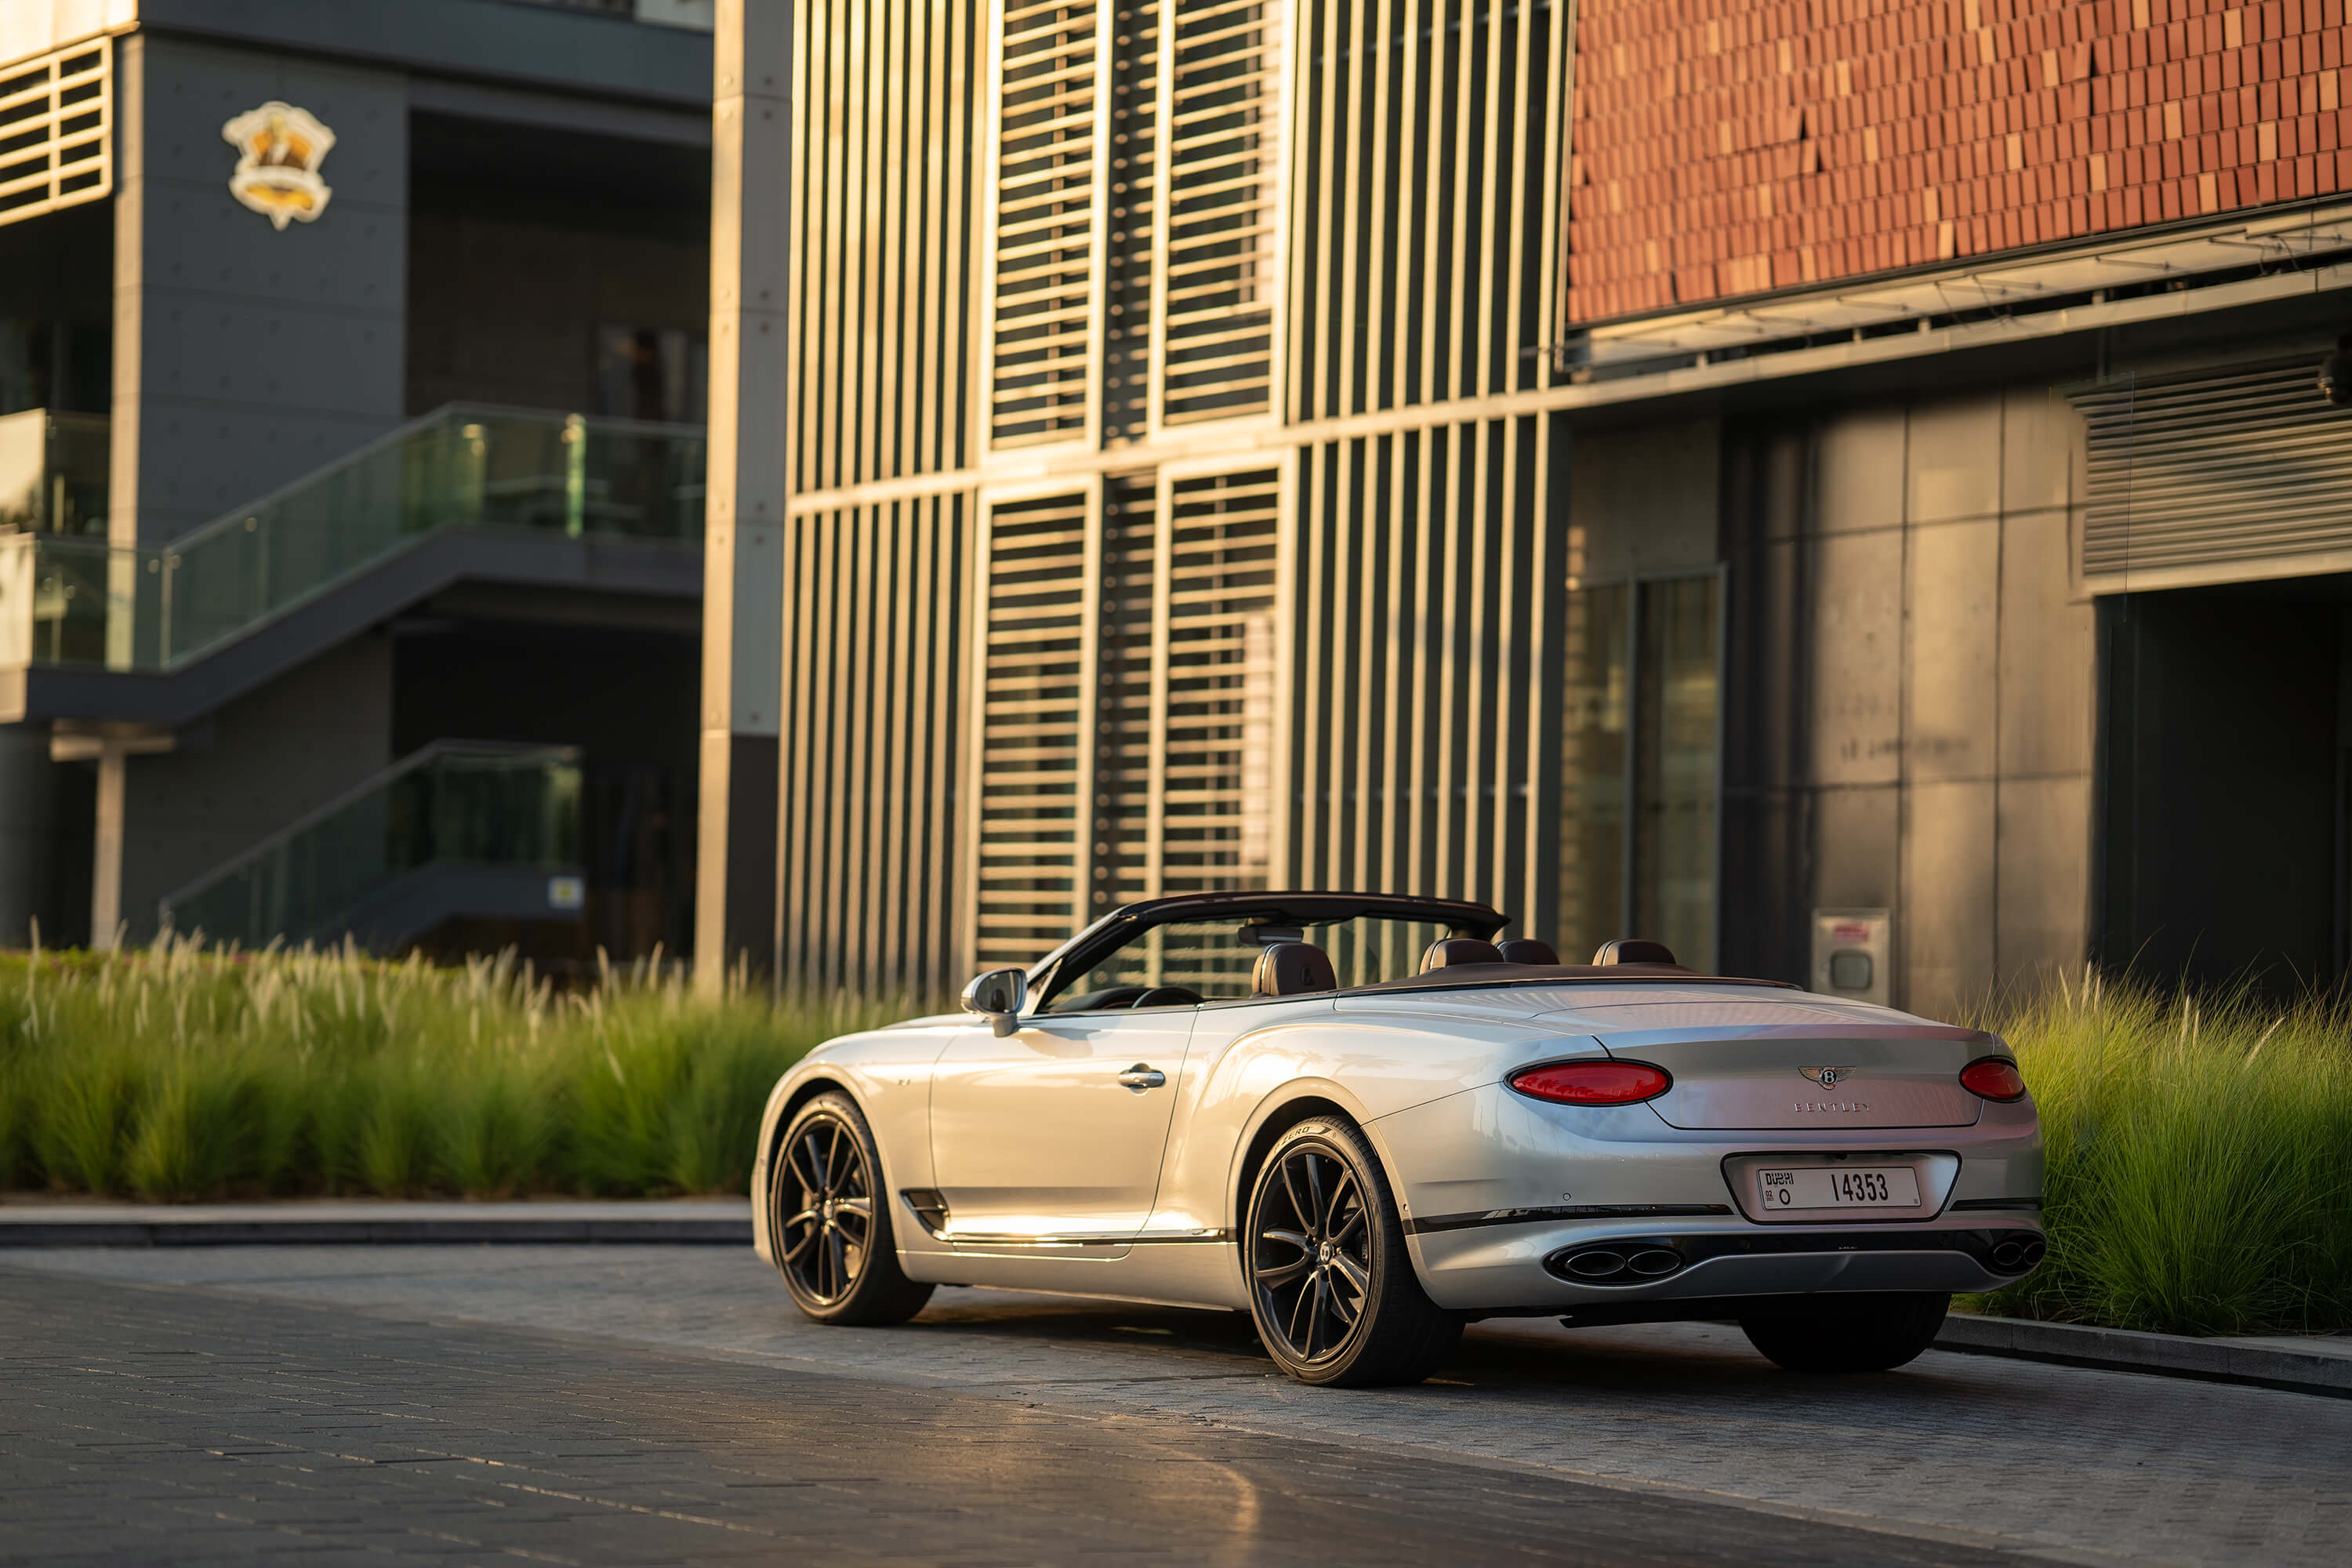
245	357
1643	500
504	310
260	763
1916	672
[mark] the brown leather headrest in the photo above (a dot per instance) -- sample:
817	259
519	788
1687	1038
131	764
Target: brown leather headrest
1633	950
1526	950
1293	969
1446	953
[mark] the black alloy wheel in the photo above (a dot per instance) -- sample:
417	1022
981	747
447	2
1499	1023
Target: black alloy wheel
1332	1290
832	1234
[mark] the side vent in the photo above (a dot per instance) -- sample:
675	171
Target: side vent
2216	478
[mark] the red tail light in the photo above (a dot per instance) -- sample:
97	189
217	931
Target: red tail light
1592	1083
1993	1077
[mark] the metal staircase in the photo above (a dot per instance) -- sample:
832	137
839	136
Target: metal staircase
162	633
460	828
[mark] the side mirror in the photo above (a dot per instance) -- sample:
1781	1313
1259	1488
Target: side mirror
998	996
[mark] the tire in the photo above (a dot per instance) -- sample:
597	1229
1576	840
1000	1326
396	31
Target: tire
1860	1333
1332	1290
829	1220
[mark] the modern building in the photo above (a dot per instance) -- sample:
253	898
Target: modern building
353	363
1840	488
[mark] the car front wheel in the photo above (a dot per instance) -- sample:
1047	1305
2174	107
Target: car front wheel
1860	1333
1332	1290
831	1219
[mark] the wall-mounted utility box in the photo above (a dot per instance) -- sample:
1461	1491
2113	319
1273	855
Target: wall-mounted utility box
1854	954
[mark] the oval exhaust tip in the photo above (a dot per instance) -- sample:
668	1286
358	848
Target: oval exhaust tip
1654	1263
1598	1264
2008	1255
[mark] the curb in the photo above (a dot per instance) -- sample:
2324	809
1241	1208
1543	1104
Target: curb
2165	1355
723	1223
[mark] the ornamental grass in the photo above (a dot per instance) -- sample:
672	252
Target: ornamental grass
177	1073
2199	1158
2200	1149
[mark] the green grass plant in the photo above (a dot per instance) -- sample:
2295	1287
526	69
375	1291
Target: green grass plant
2199	1180
179	1073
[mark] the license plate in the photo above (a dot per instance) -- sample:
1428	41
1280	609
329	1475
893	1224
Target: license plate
1839	1188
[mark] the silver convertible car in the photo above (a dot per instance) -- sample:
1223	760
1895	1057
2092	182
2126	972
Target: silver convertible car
1364	1121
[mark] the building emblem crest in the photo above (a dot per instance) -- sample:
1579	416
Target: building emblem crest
280	147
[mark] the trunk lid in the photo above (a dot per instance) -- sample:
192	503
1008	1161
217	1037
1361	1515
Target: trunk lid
1800	1072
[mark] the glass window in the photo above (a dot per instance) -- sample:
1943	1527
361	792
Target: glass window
1642	701
1674	814
1593	757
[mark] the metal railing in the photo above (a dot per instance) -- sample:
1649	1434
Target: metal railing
454	803
83	602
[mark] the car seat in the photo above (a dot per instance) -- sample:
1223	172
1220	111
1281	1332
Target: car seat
1451	952
1293	969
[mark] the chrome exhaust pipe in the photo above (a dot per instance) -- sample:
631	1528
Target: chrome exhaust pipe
1599	1263
1620	1263
2018	1254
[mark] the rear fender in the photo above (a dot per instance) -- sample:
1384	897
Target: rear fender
1366	1067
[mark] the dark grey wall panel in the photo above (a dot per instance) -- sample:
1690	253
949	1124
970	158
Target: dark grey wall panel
246	356
545	44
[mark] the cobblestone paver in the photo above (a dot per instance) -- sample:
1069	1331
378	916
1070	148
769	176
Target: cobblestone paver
140	1428
2063	1462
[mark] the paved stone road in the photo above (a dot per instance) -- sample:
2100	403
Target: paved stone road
611	1404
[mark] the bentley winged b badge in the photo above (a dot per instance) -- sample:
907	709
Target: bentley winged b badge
1828	1077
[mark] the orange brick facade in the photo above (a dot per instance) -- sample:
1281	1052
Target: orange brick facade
1728	147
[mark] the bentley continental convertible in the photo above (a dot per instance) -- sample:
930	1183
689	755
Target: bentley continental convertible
1366	1121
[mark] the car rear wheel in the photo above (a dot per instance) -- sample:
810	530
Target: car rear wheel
1332	1290
832	1220
1860	1333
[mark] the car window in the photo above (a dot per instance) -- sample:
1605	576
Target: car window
1185	962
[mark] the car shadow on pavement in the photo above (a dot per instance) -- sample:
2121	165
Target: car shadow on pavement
1498	1355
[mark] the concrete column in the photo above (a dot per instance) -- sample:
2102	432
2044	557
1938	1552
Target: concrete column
743	609
112	747
106	859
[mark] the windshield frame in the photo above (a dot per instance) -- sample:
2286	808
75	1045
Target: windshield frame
1052	973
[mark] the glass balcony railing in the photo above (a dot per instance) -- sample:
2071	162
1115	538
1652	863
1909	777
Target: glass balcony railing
53	472
454	803
73	600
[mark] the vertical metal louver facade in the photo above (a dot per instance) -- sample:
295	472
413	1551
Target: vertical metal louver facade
1220	273
1048	196
884	308
868	757
2215	478
1253	588
1034	727
1429	636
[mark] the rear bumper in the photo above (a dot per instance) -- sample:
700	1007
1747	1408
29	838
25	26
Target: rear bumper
1518	1267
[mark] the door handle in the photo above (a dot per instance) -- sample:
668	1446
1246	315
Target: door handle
1140	1077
